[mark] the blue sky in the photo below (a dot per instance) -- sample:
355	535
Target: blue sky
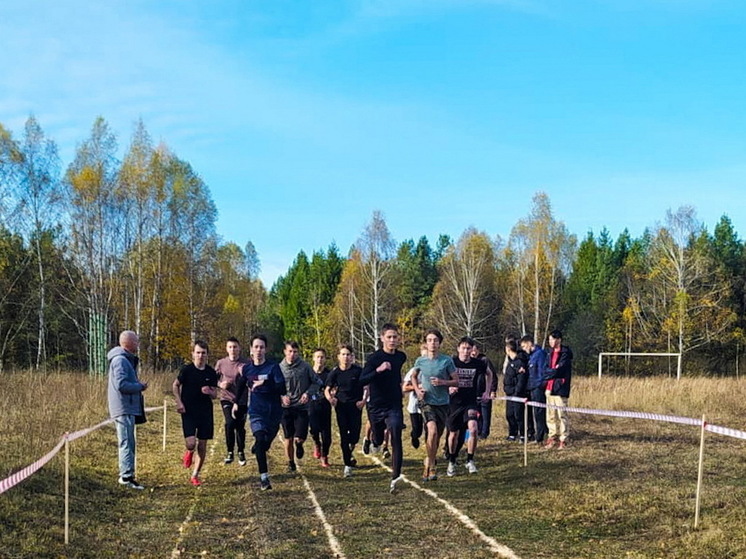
305	117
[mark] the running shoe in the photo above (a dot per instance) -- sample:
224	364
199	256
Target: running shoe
195	481
471	467
510	438
324	462
562	445
241	459
415	443
228	459
386	452
426	473
187	458
433	476
451	471
550	443
292	467
353	462
316	451
366	446
347	471
264	484
131	483
392	485
299	452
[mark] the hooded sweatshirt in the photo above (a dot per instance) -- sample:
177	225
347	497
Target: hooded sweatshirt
124	388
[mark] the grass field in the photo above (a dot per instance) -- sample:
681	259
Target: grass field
624	487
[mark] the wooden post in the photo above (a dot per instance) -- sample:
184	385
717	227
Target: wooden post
67	490
525	432
165	415
699	474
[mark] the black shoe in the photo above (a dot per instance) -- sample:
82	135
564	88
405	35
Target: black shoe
292	467
531	437
415	443
386	452
510	438
299	452
264	484
366	446
241	459
131	483
353	462
228	459
253	448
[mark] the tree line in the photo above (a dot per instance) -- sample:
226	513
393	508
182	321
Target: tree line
112	244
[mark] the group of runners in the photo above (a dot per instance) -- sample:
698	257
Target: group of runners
446	395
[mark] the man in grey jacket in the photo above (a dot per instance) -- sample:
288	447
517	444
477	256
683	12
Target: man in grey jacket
303	386
125	402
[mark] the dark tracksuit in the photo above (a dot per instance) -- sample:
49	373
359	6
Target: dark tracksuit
514	384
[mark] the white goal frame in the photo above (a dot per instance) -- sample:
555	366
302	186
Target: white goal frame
631	354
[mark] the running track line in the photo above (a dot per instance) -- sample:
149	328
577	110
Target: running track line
333	541
500	549
176	552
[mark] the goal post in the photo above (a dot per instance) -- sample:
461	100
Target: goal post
631	354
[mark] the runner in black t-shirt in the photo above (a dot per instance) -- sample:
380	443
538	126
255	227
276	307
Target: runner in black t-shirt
463	406
345	392
194	390
382	372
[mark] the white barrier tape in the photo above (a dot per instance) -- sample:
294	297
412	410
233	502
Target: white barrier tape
628	414
28	471
728	432
31	469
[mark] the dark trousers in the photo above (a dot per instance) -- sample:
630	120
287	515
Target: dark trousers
539	414
349	421
416	420
261	447
485	418
514	415
393	420
235	429
320	423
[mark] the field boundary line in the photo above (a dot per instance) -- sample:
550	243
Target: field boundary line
331	538
333	541
494	545
176	552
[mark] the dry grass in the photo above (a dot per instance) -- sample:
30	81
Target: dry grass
625	488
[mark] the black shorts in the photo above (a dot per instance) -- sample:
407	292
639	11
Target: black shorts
459	417
438	414
200	425
295	423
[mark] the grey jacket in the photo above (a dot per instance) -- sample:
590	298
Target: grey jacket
299	379
124	388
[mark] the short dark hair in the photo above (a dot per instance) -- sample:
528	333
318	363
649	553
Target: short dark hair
261	337
510	337
528	338
467	340
435	332
202	344
233	339
512	345
348	347
321	349
556	334
389	326
292	343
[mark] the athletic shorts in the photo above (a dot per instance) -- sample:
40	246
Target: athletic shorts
198	425
459	417
295	423
438	414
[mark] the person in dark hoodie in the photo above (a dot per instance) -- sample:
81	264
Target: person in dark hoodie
558	375
266	383
303	384
514	384
320	412
125	402
537	361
